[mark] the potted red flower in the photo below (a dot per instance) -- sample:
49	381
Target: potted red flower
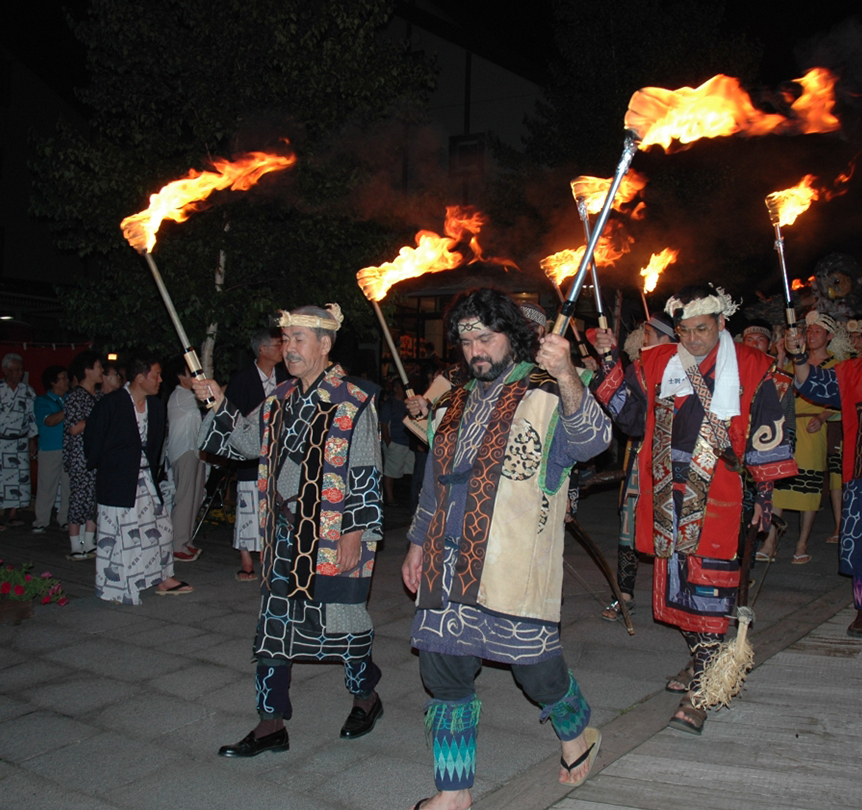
20	589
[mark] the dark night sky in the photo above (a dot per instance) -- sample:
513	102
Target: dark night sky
38	34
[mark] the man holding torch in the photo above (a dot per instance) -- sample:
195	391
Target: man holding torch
709	408
318	445
486	543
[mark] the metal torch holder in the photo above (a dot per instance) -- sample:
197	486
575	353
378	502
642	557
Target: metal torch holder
629	149
789	311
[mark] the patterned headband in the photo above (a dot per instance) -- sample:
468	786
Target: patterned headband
332	324
757	330
471	325
719	303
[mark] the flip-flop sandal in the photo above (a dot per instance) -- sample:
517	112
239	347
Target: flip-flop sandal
762	556
177	590
833	538
693	721
245	576
801	559
594	737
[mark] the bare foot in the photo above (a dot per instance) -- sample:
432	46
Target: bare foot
572	749
447	800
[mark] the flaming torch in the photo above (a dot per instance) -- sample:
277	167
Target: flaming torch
585	221
784	207
432	254
177	201
655	267
630	147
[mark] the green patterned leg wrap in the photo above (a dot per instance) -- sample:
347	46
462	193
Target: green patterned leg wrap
570	714
453	726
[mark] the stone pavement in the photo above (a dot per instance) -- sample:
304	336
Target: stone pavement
104	706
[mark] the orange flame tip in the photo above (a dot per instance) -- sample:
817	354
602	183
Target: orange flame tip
432	253
721	107
656	266
595	189
180	198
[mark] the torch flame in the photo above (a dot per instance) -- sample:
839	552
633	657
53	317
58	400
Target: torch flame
797	284
611	246
181	198
595	189
657	263
721	107
432	253
785	206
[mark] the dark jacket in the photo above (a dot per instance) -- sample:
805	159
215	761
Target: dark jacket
113	447
245	391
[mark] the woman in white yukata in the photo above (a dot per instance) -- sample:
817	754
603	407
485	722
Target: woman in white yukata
123	441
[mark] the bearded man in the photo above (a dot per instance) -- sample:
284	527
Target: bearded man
318	445
486	547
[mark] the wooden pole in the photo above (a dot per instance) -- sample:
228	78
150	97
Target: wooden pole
191	356
396	358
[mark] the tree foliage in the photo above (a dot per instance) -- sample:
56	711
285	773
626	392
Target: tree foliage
173	83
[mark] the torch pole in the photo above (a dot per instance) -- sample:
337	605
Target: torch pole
789	311
582	347
629	149
396	358
189	353
646	308
607	357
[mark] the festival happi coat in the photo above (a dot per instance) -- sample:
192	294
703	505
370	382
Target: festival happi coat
511	543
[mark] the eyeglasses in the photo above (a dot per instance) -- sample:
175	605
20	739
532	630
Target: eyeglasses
701	331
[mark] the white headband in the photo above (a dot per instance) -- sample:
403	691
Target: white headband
719	303
332	324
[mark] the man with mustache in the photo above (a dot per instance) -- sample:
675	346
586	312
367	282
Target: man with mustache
318	445
487	539
715	439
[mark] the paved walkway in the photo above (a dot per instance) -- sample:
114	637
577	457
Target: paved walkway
103	706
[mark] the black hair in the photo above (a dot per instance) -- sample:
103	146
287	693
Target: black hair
692	292
50	375
140	364
81	363
499	313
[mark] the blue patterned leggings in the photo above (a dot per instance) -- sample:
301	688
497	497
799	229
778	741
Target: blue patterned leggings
452	717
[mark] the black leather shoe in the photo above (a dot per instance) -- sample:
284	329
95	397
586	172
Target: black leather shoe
359	722
251	746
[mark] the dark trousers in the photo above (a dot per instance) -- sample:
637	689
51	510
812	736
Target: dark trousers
272	682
